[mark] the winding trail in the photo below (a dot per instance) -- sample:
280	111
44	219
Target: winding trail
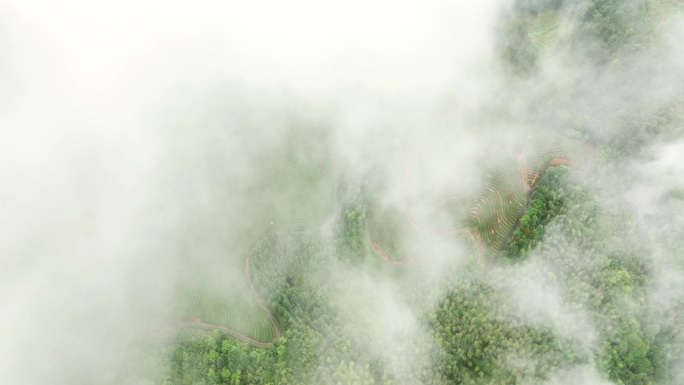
461	232
528	185
260	302
198	323
382	254
465	232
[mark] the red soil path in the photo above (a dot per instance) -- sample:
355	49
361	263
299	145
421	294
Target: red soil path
552	162
476	240
464	232
259	301
385	258
535	182
198	323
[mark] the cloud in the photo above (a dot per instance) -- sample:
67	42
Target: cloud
132	134
107	149
533	293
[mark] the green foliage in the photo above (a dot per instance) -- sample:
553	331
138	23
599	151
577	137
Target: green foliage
523	38
206	295
608	29
294	270
602	272
628	355
350	231
640	128
677	194
479	335
384	230
518	49
198	358
481	345
552	197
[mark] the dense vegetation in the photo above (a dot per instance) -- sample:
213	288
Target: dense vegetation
549	199
600	273
482	337
570	291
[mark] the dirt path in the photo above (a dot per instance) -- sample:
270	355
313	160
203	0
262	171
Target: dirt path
522	162
380	252
462	232
529	187
466	233
259	301
198	323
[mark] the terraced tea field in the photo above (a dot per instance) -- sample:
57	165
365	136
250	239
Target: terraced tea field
543	28
545	149
495	211
487	219
290	193
286	191
203	300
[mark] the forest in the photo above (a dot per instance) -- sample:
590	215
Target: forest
573	246
474	330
